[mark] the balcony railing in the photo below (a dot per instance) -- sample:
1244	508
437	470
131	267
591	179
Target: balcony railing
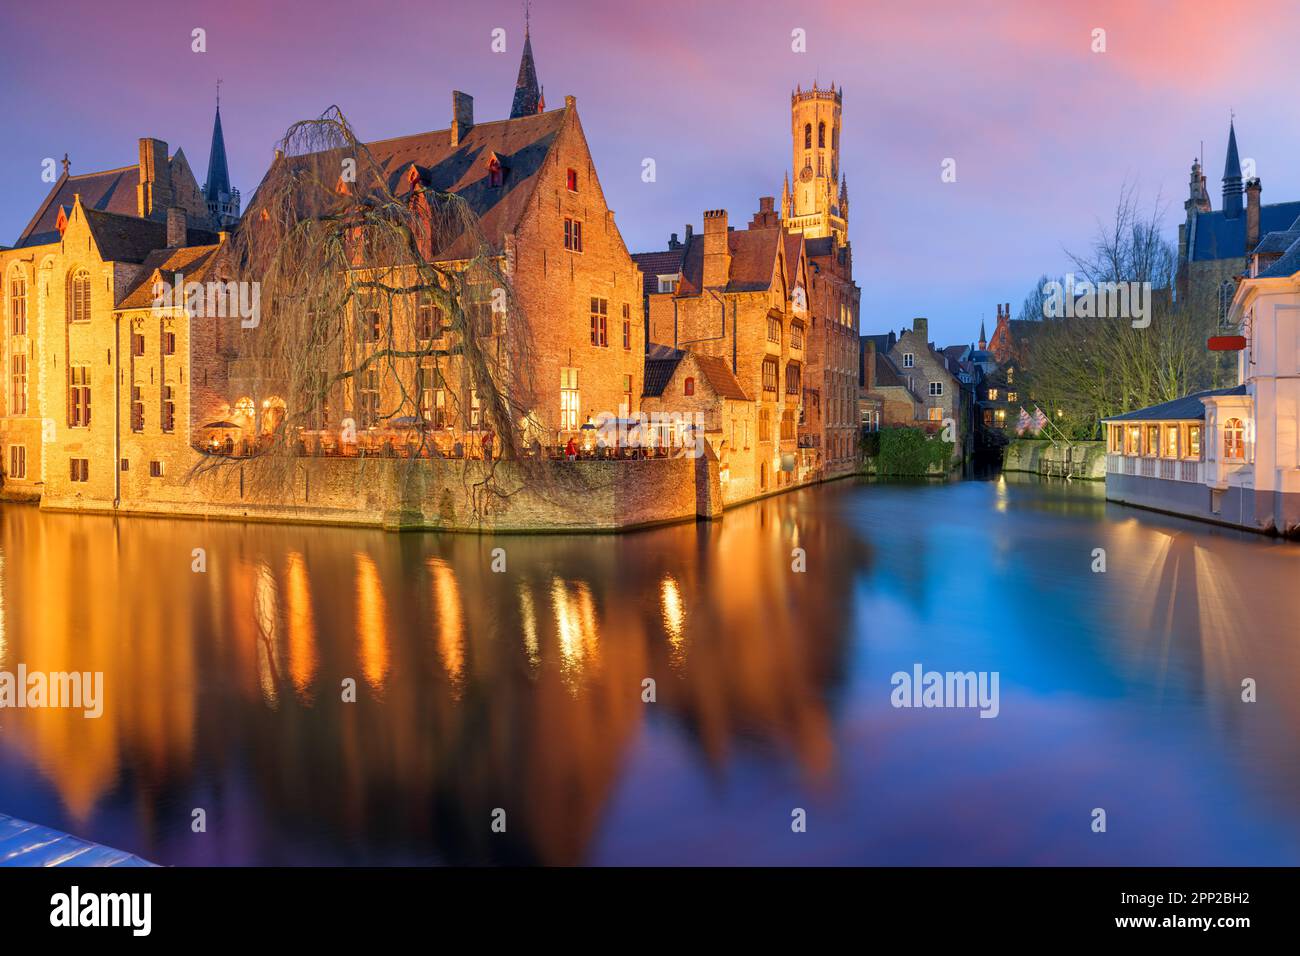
1170	469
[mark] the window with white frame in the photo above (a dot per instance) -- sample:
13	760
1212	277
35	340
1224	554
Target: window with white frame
569	399
936	388
908	360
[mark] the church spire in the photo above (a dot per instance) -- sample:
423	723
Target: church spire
1232	177
528	95
984	342
223	202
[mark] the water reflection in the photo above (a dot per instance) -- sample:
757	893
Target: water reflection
522	690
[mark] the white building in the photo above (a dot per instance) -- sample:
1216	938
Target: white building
1229	455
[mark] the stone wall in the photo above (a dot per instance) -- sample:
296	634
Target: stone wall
435	494
1028	454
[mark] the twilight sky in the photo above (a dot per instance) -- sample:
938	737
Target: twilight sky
1044	132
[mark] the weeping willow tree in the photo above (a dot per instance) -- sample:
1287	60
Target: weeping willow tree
388	326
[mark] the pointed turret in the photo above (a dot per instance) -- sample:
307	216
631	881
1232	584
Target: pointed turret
984	342
1232	177
528	95
223	202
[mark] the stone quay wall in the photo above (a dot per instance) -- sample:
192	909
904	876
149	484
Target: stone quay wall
436	494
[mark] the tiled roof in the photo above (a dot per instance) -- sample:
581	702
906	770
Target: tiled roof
192	261
721	379
886	374
112	190
1287	266
753	261
521	144
660	363
1218	237
656	264
1187	408
130	239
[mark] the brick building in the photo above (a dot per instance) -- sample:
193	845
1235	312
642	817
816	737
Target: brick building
913	383
777	302
739	296
108	392
72	352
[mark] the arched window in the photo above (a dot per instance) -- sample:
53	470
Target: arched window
689	387
821	135
18	304
807	136
1234	440
79	296
273	410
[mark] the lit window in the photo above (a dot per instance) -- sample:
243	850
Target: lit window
1234	440
569	399
936	414
1011	396
993	394
1194	441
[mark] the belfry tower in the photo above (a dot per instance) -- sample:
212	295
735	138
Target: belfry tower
817	203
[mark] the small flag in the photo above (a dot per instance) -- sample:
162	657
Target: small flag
1040	420
1022	423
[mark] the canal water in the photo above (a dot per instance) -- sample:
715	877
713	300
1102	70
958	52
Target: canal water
515	696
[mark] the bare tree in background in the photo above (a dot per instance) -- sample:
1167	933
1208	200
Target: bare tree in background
1090	368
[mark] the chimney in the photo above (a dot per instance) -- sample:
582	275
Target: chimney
175	227
921	329
869	365
766	216
690	232
717	252
154	193
674	242
462	116
1253	189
